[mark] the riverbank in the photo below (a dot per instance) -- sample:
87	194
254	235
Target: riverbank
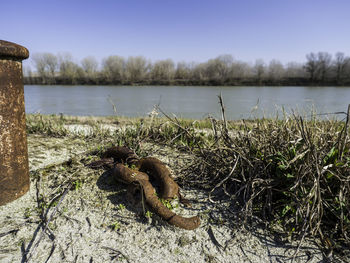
296	81
75	214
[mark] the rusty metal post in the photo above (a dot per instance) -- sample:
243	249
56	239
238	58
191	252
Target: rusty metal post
14	170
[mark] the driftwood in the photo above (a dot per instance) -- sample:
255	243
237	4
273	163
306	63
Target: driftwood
147	171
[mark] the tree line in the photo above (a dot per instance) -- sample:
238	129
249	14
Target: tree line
319	69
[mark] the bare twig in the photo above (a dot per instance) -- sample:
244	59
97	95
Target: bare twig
9	232
51	252
117	253
109	99
30	254
343	142
213	239
224	180
221	101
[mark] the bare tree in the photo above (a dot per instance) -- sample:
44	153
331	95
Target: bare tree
240	70
163	70
318	68
113	69
219	69
52	64
27	71
295	70
137	69
40	66
183	71
69	70
199	72
275	70
89	65
324	64
27	74
340	64
312	66
224	65
259	70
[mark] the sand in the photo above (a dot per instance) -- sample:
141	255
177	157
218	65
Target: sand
94	221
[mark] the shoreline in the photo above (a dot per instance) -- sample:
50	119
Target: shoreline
96	222
187	85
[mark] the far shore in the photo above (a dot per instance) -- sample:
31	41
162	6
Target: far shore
249	82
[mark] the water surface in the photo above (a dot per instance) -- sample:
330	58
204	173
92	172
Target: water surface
183	101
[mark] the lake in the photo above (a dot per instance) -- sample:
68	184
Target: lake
184	101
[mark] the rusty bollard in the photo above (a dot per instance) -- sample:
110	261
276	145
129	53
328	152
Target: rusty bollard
14	170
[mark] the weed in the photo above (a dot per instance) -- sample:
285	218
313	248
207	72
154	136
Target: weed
167	203
121	207
77	185
177	251
291	171
115	226
149	214
27	212
48	125
52	226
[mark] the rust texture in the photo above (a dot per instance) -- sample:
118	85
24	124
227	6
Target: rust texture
14	170
146	170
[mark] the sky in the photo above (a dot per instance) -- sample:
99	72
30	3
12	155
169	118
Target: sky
183	30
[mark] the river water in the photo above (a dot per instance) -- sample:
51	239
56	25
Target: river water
185	101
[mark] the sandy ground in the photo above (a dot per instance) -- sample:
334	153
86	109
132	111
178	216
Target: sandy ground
93	221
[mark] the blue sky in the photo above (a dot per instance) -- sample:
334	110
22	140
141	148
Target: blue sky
183	30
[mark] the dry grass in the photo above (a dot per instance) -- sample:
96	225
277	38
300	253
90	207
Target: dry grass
291	173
